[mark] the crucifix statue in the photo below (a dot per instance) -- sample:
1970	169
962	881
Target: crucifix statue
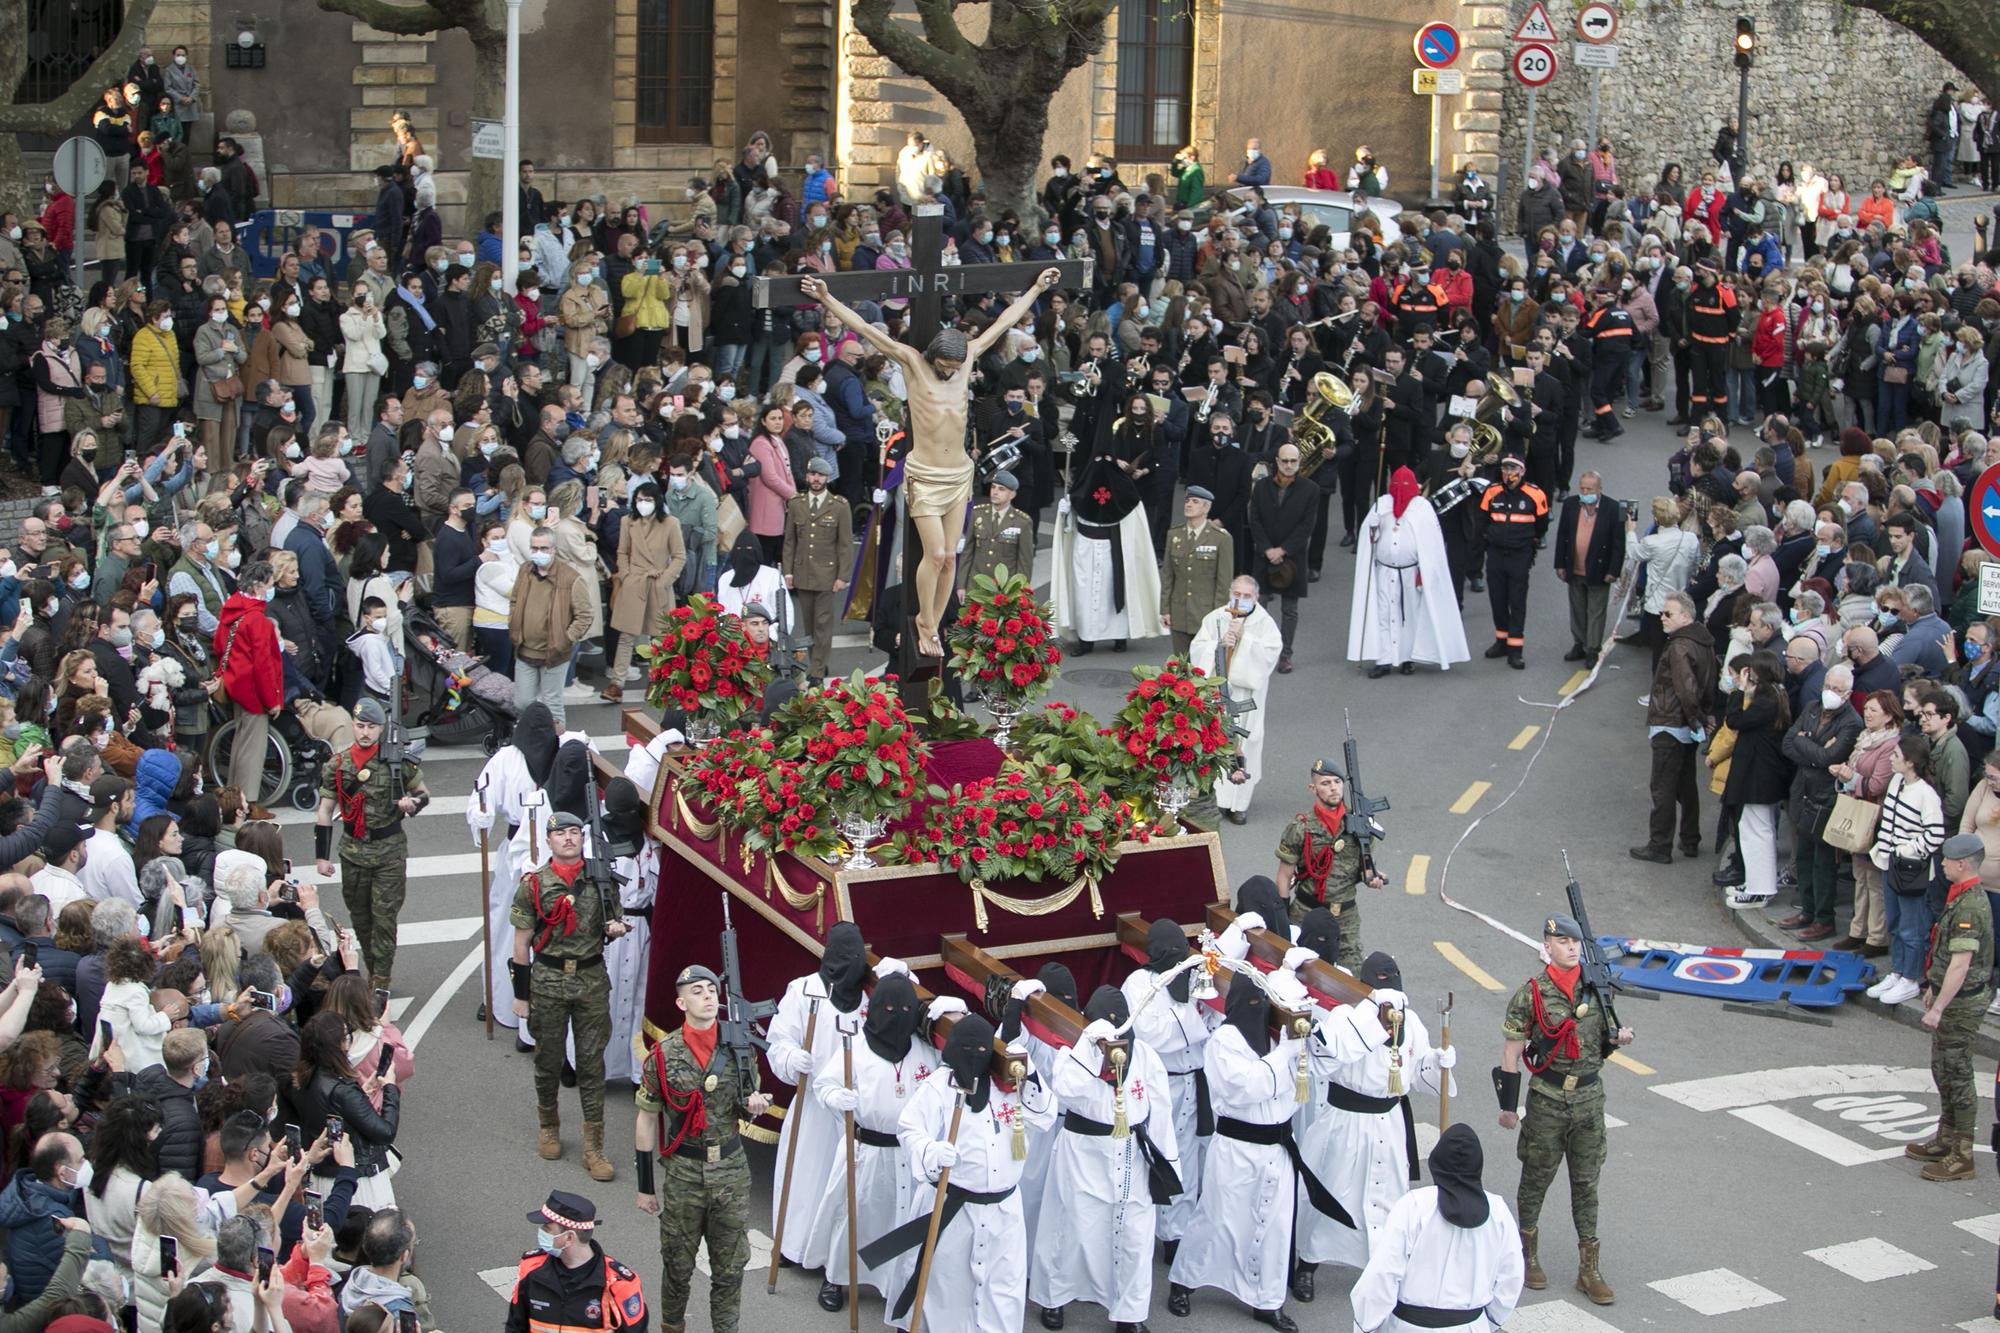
938	470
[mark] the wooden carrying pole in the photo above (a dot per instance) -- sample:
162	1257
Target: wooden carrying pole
1444	1075
1326	982
799	1095
937	1215
485	915
970	966
853	1221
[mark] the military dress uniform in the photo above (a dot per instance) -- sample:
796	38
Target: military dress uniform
1326	872
374	850
563	915
819	540
1568	1036
1194	579
704	1189
998	536
1964	926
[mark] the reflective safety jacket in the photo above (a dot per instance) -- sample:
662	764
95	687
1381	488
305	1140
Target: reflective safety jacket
549	1298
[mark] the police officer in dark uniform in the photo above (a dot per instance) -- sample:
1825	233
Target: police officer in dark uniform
689	1100
1711	324
1611	331
1515	515
567	1283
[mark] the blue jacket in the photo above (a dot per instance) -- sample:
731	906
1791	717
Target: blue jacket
1254	173
153	781
1919	645
853	413
34	1246
1774	258
318	575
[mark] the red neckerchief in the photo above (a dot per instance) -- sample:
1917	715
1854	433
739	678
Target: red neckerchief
1316	865
701	1042
1561	1036
561	913
1952	895
1566	979
354	807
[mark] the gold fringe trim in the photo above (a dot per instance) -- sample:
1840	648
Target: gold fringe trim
1054	902
701	830
814	902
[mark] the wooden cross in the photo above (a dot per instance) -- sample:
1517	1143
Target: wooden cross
925	283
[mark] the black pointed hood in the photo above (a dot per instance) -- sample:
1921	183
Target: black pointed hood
892	1017
1108	1003
968	1054
1249	1012
1060	981
1320	932
535	736
843	965
569	783
1167	949
1380	970
1259	894
1456	1165
624	818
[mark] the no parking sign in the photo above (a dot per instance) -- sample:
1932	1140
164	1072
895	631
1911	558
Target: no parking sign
1985	505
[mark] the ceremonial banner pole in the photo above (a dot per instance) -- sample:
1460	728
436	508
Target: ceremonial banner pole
1444	1079
486	915
853	1222
937	1214
791	1155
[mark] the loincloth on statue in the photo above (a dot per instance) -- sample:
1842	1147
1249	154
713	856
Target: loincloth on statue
931	492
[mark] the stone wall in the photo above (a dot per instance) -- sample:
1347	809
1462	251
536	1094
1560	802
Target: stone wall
1833	85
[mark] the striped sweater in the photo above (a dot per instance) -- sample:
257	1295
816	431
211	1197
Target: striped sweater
1912	822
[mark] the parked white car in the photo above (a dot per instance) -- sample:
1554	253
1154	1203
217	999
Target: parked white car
1332	209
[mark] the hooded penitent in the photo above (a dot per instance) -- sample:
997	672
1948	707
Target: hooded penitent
1380	971
892	1017
1402	489
1456	1164
569	781
968	1054
1249	1012
1320	932
1060	981
1259	894
843	966
535	737
1108	1003
1167	949
624	818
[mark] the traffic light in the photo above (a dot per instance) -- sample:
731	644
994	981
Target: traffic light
1746	42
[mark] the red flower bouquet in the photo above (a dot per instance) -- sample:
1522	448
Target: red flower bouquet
857	753
761	795
1024	824
1002	644
1172	727
704	666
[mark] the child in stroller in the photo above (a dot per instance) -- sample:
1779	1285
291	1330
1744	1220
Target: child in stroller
452	692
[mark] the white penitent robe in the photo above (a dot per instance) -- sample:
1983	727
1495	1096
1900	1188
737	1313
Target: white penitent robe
626	959
1241	1237
979	1276
1095	1239
806	1004
1250	665
513	800
1361	1156
1422	1259
885	1191
1041	1139
1403	610
1081	583
1177	1031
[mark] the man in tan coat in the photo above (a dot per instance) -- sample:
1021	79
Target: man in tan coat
549	617
819	537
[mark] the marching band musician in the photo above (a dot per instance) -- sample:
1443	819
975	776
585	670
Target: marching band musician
1302	362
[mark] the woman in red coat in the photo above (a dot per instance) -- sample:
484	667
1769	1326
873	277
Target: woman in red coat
253	673
1318	177
1767	349
1704	204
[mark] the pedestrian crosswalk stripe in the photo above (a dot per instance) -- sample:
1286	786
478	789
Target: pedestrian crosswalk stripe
1556	1317
1413	880
450	930
1870	1260
1520	742
443	996
1456	957
1463	805
1624	1061
1987	1228
1803	1133
500	1279
1717	1291
425	867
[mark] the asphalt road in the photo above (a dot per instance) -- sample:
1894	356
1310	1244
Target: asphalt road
1755	1161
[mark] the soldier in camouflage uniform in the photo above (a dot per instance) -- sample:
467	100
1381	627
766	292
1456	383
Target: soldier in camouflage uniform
560	917
1558	1028
999	535
689	1102
1319	862
1958	984
374	850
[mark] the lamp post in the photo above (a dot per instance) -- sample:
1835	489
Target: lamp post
1746	52
510	162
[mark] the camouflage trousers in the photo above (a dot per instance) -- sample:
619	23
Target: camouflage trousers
1349	915
702	1201
372	884
1951	1064
558	1002
1558	1125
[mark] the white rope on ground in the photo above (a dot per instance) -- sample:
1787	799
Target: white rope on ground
1624	589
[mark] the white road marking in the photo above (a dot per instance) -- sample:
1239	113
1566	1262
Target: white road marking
1557	1317
440	805
426	867
760	1254
1717	1291
1870	1260
1730	1091
1805	1134
447	931
500	1279
467	967
397	1008
1987	1228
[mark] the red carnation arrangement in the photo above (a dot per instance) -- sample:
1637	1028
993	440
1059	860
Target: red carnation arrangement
760	795
1024	824
1002	644
1171	727
703	665
856	750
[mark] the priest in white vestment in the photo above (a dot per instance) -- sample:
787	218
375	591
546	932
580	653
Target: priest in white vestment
1250	644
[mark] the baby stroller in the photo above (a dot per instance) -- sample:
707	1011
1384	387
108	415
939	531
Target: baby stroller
453	693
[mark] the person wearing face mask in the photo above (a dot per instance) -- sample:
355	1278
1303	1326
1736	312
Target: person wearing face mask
251	665
584	312
1242	639
651	555
568	1281
1589	556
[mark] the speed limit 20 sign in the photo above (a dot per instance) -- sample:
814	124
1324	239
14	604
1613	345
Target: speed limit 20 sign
1534	64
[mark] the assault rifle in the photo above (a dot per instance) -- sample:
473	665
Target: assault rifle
739	1013
1361	810
789	645
1596	968
597	860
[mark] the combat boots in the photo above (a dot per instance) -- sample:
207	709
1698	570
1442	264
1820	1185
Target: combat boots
548	1142
1933	1149
1956	1164
594	1160
1535	1279
1588	1280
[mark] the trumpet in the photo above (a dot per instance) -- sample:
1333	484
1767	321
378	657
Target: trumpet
1207	403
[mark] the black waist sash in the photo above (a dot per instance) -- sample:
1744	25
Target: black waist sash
912	1233
1347	1099
875	1138
1280	1134
1162	1180
1098	533
1431	1316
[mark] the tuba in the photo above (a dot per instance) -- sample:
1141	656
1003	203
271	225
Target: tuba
1311	431
1485	423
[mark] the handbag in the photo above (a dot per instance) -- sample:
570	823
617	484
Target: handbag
1895	374
378	362
224	391
626	326
1851	826
1910	876
216	691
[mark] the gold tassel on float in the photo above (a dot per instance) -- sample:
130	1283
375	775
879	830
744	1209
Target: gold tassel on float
1302	1028
1121	1127
1395	1052
1016	1073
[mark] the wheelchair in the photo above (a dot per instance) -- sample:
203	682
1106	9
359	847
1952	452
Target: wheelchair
293	760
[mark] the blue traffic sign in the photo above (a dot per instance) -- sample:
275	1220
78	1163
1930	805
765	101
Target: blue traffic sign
1437	45
1986	510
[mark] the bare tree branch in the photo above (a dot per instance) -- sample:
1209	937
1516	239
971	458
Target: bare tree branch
915	55
60	113
941	29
